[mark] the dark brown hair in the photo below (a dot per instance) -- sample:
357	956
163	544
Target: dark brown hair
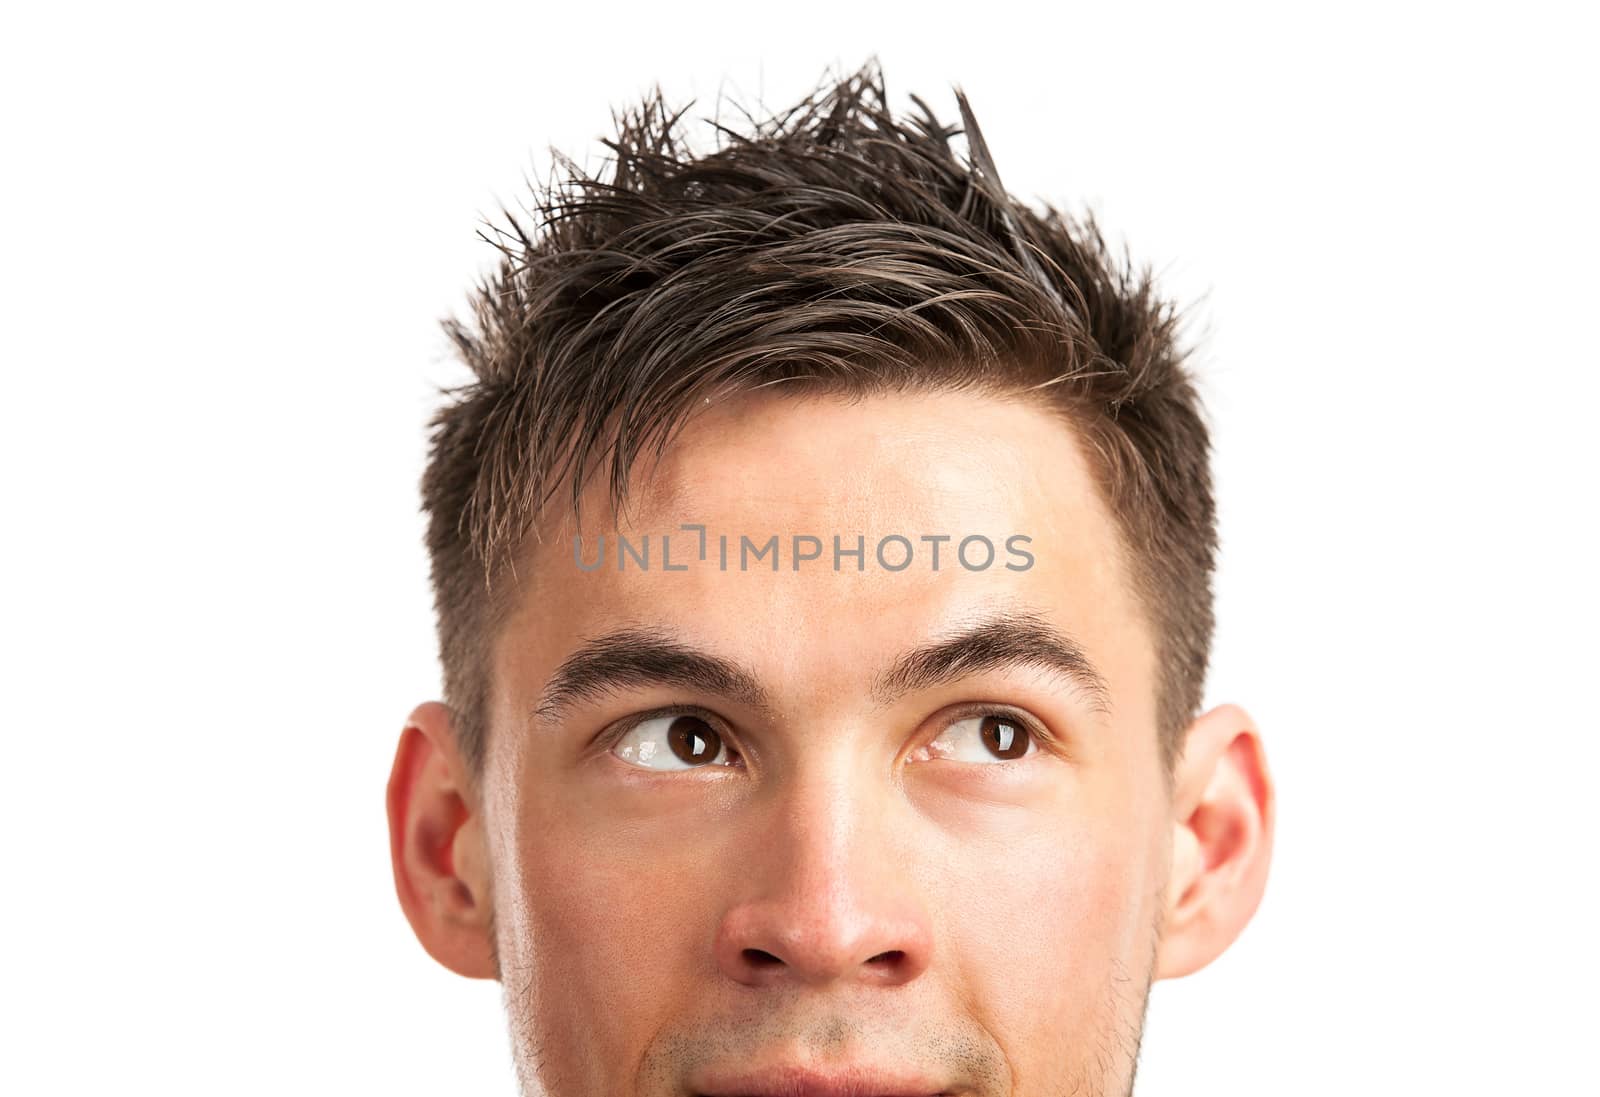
836	248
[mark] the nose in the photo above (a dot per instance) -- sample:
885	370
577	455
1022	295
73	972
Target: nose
828	898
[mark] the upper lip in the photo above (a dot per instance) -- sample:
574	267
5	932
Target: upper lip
797	1081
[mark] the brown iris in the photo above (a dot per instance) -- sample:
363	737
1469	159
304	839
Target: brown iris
1006	737
693	740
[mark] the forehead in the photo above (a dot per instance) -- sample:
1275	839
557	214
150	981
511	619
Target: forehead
914	466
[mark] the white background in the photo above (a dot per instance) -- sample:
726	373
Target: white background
229	233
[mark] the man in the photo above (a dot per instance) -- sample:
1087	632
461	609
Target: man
822	557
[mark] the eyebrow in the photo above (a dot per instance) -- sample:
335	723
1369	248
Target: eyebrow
635	657
997	641
641	657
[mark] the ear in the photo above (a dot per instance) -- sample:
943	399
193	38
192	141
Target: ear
1224	806
436	843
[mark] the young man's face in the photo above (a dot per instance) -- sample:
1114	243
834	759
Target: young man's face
904	829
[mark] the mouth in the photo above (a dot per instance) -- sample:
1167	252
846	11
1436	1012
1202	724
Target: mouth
797	1081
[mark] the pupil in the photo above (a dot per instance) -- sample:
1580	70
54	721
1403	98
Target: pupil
692	739
1005	736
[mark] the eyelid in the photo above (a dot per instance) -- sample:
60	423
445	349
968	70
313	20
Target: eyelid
1035	726
608	738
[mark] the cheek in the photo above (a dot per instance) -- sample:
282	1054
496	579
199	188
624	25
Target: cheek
1053	934
593	939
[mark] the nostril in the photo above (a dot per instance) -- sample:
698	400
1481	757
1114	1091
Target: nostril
758	958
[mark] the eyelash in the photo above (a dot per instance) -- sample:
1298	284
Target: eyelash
1042	738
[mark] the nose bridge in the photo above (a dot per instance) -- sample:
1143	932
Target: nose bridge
828	896
829	827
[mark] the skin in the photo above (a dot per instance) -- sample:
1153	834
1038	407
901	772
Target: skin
850	881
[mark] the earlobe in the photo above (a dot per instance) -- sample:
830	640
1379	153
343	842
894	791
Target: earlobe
1224	808
436	846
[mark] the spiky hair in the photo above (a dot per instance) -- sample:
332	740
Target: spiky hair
832	247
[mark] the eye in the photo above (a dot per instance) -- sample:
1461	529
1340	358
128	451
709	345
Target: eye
984	738
672	741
